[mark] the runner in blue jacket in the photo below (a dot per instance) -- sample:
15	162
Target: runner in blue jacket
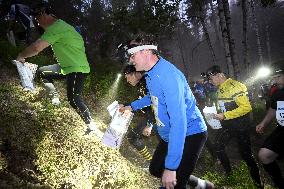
179	122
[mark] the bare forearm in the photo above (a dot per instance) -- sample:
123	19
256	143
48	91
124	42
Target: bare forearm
269	116
30	51
33	49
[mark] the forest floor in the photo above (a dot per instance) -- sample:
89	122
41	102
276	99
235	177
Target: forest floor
21	170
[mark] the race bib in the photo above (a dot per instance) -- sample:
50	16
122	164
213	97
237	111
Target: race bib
280	113
154	105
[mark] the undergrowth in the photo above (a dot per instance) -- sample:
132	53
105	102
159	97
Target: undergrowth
53	139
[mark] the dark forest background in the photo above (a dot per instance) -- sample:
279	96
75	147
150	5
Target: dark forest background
239	35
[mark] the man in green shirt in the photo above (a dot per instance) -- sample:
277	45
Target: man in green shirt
69	50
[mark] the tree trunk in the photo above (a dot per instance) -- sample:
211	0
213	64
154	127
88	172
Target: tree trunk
222	24
207	37
268	43
230	38
245	40
214	20
179	34
192	54
268	13
139	8
259	48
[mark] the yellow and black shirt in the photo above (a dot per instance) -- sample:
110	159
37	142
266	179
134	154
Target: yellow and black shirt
233	99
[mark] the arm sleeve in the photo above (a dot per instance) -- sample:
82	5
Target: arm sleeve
50	37
174	93
141	103
243	104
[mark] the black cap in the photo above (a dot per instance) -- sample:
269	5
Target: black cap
38	7
277	67
134	41
129	69
213	70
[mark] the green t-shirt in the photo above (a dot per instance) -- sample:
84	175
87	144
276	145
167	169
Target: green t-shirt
68	47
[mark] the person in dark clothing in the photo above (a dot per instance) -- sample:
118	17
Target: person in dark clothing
20	13
273	88
232	97
143	118
266	92
272	148
201	94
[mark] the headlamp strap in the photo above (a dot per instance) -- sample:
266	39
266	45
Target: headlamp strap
140	48
279	71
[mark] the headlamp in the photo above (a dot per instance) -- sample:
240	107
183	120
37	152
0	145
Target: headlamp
213	70
122	54
263	72
126	51
206	76
279	71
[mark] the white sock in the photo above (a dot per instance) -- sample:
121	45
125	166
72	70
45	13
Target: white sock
92	125
49	88
201	184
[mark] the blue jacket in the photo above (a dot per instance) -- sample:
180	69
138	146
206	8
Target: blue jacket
199	91
174	106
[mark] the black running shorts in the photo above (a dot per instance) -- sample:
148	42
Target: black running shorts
275	141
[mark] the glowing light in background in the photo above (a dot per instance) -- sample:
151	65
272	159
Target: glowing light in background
260	75
263	72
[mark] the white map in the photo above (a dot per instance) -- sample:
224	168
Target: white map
27	73
118	127
208	112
